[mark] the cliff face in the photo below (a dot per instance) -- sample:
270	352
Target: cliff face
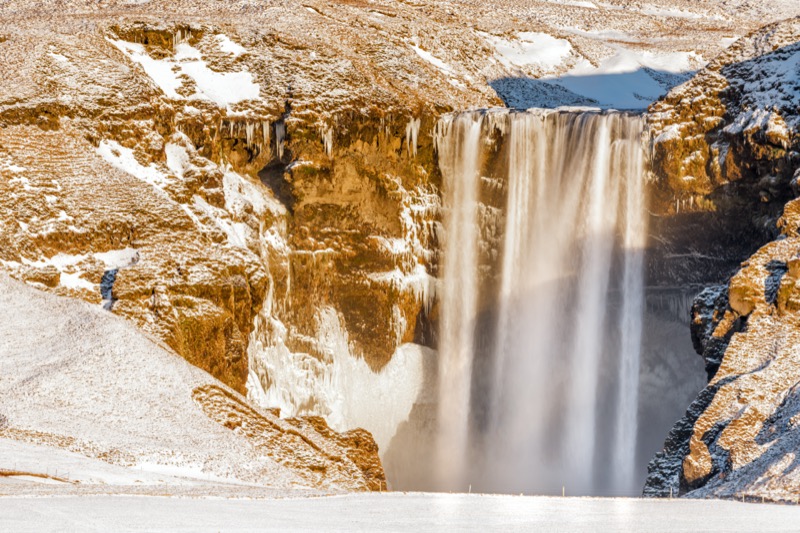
262	192
722	150
159	204
281	156
726	149
262	202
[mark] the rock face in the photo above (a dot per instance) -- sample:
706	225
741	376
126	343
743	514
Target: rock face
351	457
166	195
722	149
726	145
193	179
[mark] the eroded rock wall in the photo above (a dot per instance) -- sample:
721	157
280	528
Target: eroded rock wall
185	212
726	150
723	154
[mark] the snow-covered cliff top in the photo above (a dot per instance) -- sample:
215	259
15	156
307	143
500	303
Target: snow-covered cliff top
354	53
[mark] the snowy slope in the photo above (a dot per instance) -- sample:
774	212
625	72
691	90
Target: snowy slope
75	378
22	462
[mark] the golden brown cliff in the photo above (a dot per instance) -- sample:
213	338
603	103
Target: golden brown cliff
725	151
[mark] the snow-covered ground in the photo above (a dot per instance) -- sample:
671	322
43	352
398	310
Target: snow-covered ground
393	512
86	398
31	461
462	53
74	377
630	76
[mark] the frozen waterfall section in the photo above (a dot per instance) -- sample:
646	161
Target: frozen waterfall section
542	300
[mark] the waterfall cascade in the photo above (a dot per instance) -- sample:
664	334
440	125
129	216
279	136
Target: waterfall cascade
542	300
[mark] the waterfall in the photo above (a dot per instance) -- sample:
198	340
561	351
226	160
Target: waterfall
461	158
630	323
542	300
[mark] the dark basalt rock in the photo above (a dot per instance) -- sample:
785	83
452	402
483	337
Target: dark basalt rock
708	309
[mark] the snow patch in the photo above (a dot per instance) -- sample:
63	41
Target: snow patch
222	88
8	165
670	133
76	282
177	158
184	52
230	47
115	259
526	49
122	158
433	60
162	72
625	80
71	276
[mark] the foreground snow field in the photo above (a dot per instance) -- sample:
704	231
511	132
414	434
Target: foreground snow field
392	512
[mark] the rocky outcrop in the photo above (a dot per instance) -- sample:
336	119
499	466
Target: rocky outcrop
723	150
305	445
733	122
726	145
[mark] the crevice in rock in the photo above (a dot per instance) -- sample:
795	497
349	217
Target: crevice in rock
776	269
274	177
107	288
709	308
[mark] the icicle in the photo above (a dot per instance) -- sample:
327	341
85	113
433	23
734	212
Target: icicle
327	139
250	129
412	134
280	133
265	133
